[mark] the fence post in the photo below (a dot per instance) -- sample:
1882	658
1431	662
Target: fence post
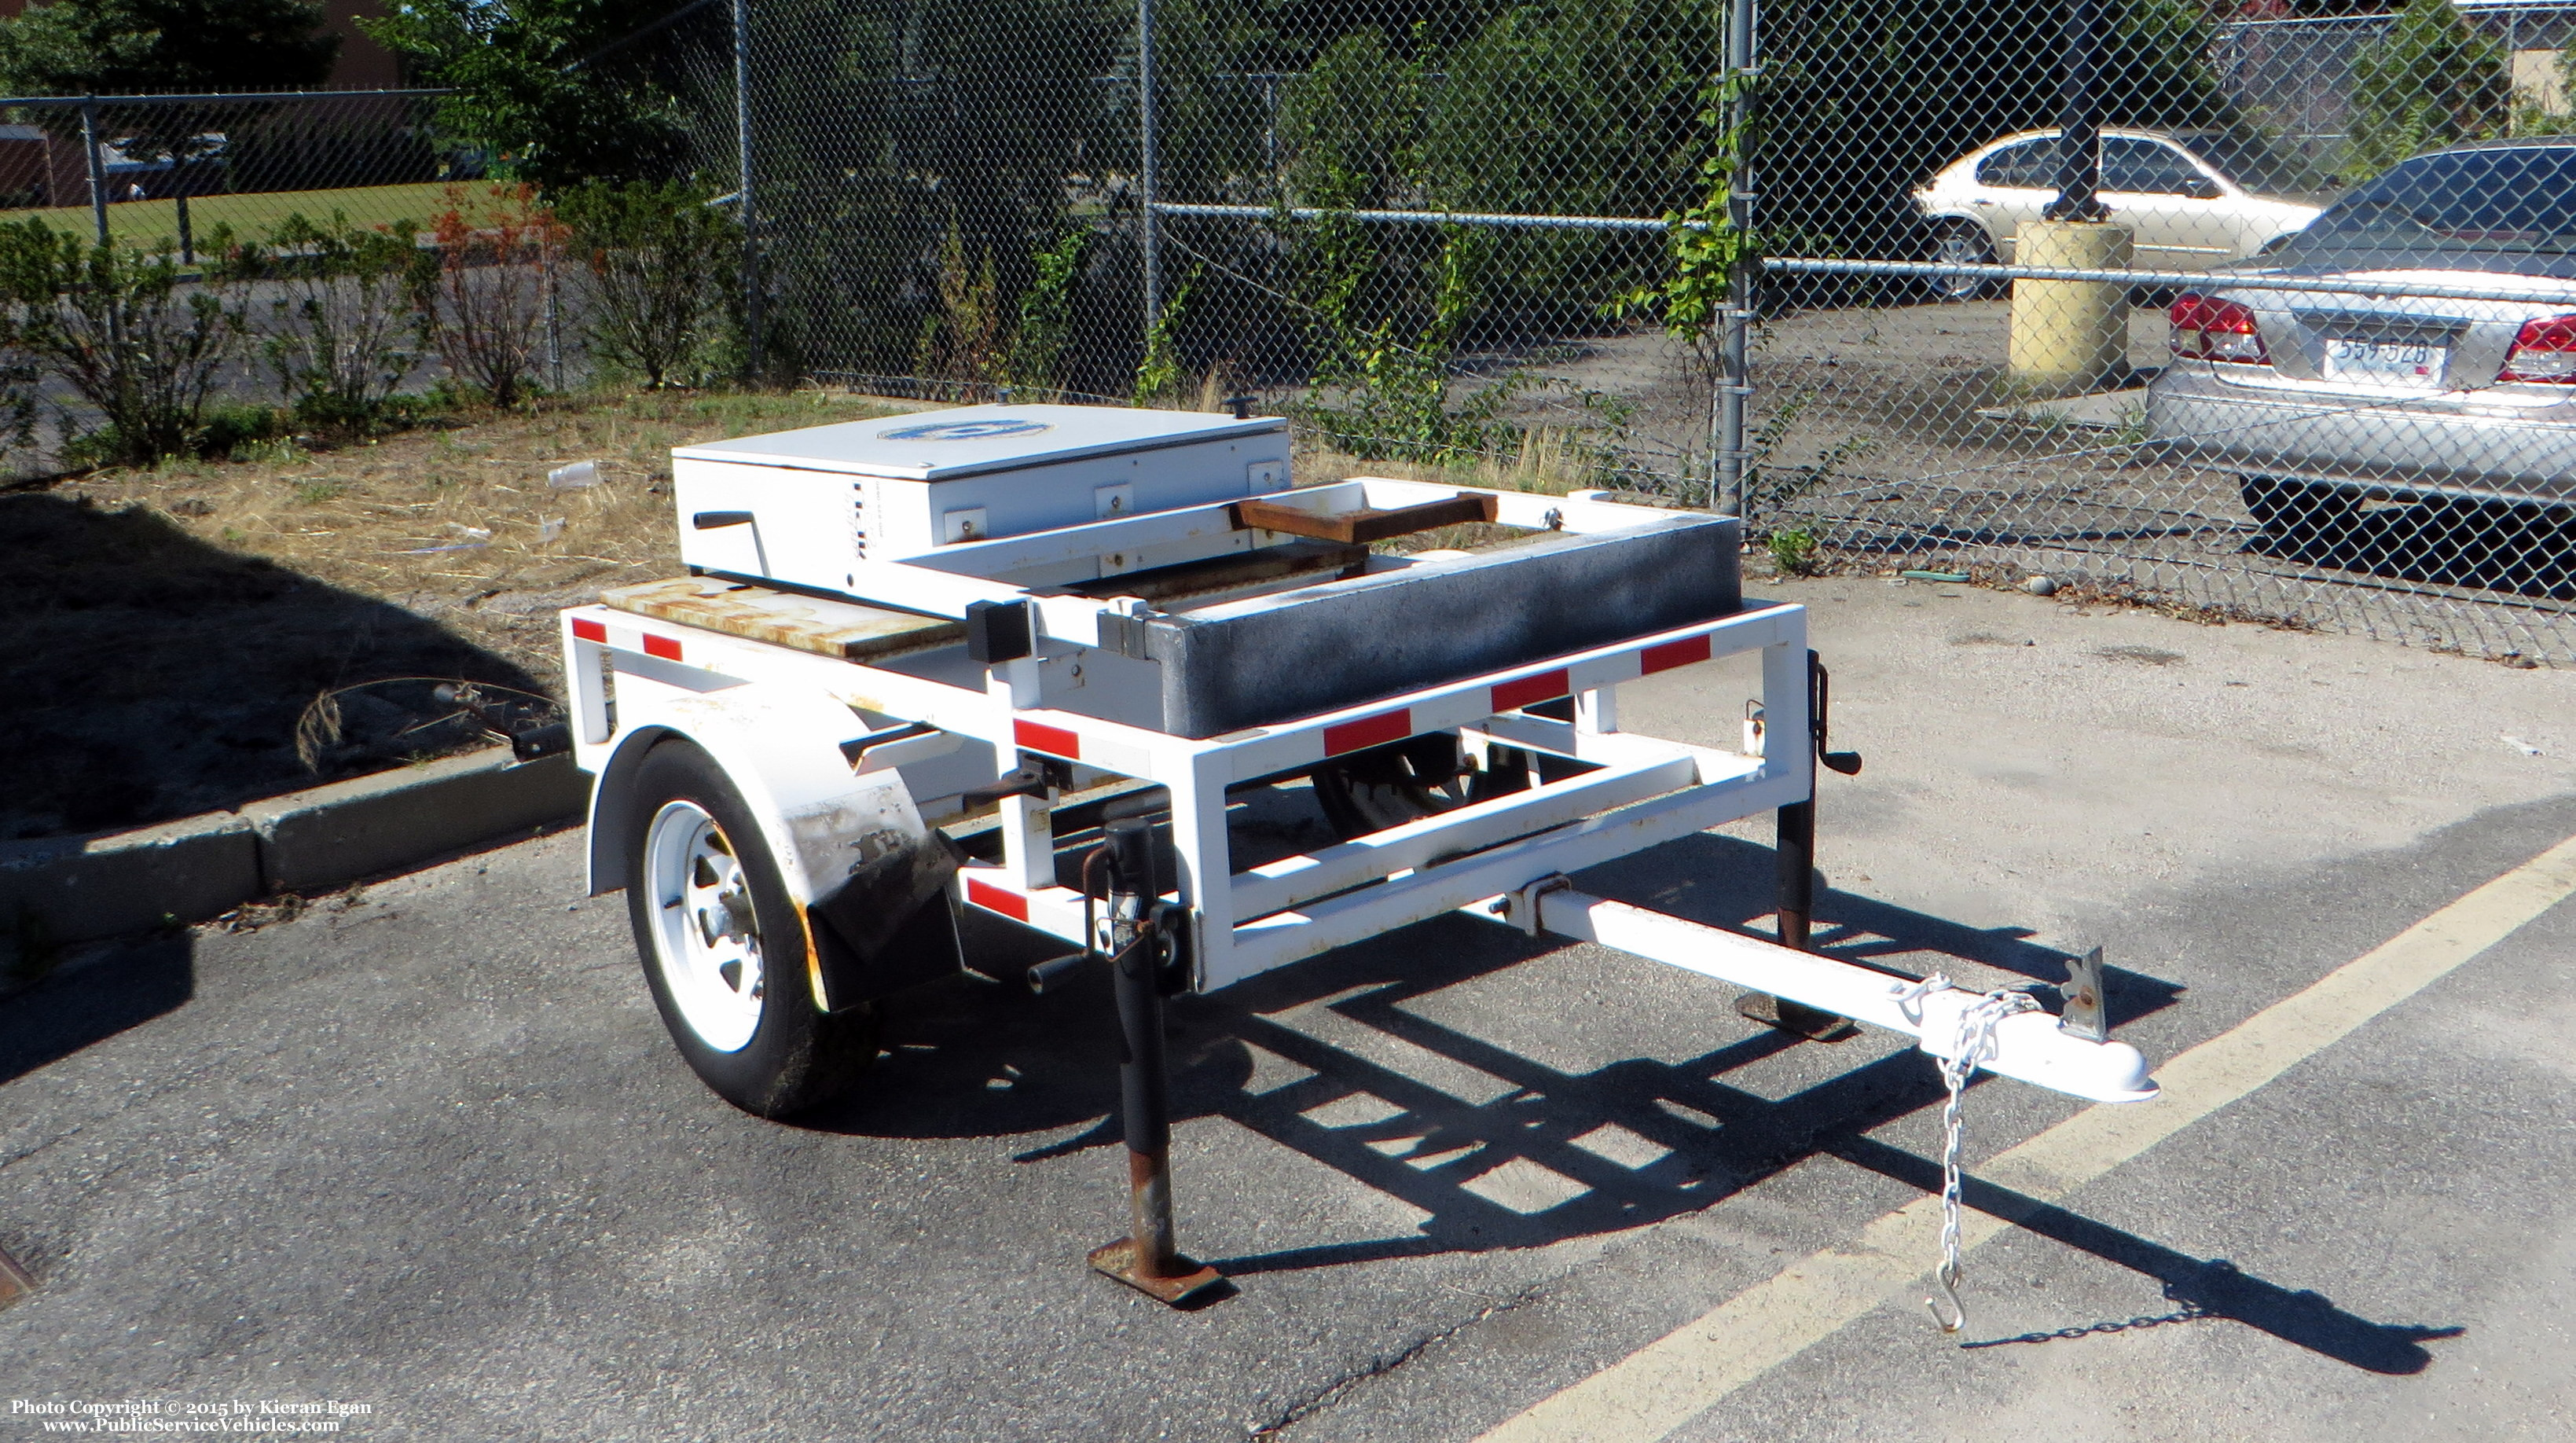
754	308
1146	144
97	170
1735	370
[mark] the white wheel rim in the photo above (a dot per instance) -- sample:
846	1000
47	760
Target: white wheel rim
706	941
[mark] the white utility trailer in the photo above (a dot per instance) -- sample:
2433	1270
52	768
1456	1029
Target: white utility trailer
1025	658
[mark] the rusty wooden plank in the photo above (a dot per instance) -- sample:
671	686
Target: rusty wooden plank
847	630
1366	524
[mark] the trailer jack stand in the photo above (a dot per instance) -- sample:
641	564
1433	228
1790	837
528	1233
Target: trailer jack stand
1797	881
1147	1259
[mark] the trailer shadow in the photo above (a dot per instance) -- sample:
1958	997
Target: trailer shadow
2205	1287
1632	1142
88	1000
147	673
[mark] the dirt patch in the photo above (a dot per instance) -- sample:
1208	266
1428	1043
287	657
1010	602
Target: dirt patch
2141	655
166	630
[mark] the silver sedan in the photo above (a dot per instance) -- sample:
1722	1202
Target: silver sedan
2191	200
2329	402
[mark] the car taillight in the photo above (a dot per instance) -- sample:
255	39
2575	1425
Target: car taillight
2208	329
2544	350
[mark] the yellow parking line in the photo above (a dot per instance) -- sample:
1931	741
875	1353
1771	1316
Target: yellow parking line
1665	1384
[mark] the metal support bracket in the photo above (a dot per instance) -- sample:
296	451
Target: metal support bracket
1520	907
2084	1014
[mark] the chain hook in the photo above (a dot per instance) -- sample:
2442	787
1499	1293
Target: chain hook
1972	1041
1946	1278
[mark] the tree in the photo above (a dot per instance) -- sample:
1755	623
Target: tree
154	47
2430	81
161	47
544	87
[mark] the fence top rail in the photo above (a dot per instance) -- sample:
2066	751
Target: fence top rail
1420	217
221	97
2187	280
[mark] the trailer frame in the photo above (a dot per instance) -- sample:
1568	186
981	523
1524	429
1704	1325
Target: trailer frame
796	728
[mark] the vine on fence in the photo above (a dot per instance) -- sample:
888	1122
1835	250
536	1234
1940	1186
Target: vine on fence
1706	245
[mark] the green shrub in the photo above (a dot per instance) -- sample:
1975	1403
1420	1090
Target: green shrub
1794	552
115	325
1046	312
662	266
341	331
486	298
971	337
226	430
2430	81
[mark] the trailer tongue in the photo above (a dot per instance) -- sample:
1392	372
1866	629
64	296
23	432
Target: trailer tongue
1026	659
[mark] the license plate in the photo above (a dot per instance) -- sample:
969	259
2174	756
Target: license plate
2384	363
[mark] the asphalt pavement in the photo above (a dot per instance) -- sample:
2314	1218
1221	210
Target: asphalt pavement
425	1148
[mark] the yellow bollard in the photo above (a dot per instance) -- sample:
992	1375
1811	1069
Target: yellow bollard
2070	337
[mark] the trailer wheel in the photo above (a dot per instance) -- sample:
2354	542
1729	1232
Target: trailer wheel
726	953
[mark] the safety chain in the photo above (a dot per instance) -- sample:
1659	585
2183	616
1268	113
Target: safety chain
1974	1042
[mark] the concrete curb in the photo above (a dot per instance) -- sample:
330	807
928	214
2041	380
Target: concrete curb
75	889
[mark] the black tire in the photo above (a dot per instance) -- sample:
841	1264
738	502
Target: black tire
797	1057
1963	242
2303	520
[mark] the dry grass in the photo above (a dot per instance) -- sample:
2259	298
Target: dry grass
1550	462
461	524
169	628
175	637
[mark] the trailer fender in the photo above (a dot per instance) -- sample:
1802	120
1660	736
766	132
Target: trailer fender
851	848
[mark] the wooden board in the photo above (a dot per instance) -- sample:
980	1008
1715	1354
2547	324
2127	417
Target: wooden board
848	630
1366	524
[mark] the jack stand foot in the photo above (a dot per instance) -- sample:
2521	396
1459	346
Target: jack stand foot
1811	1023
1184	1284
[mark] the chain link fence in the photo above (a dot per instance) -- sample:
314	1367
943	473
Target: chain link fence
2169	376
1831	265
149	171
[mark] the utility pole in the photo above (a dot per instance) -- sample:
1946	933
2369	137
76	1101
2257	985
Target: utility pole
2079	124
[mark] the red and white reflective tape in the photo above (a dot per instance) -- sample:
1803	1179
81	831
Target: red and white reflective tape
991	898
1465	705
1110	754
626	638
1368	731
1081	739
1053	910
